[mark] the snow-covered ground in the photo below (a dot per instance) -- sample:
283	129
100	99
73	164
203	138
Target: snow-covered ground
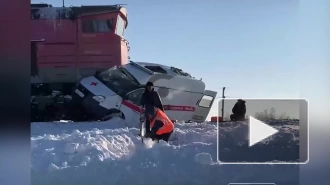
109	153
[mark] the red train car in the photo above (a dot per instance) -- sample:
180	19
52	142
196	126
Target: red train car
69	43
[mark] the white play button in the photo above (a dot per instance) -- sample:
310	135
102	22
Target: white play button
259	131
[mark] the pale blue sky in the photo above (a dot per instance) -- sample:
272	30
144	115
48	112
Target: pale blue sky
256	48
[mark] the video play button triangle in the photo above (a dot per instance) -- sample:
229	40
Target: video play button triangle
259	131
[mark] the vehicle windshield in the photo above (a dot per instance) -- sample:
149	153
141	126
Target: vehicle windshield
118	80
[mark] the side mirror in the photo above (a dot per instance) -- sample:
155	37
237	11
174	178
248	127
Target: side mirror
125	96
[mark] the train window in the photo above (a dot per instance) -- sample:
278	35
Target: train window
96	26
120	26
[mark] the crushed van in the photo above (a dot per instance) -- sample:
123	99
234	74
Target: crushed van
116	92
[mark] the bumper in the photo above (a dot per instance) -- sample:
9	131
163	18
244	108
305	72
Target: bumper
91	106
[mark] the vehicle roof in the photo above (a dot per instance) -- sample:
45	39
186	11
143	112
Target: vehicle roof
181	82
165	67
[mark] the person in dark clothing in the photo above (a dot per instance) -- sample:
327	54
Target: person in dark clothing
239	111
149	100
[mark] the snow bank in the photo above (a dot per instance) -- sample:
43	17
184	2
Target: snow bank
283	146
111	153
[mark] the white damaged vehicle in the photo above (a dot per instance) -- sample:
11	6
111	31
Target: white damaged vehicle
116	92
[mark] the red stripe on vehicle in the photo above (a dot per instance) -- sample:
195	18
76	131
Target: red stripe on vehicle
166	107
179	108
131	106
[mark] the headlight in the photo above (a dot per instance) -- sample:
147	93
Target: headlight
99	98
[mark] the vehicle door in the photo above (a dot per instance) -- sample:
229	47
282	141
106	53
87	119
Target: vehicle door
203	106
131	107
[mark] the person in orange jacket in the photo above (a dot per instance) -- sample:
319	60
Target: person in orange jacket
161	126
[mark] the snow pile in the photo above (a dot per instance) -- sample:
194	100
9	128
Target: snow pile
110	153
283	146
203	158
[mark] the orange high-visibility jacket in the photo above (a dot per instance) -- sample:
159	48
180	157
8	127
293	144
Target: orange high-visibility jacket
168	125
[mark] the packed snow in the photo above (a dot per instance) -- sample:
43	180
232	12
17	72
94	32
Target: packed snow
106	153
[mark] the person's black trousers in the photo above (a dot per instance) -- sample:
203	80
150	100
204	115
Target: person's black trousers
164	137
147	124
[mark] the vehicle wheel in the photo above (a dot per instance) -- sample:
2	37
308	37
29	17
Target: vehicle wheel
113	113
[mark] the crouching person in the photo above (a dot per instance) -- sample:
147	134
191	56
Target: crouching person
161	126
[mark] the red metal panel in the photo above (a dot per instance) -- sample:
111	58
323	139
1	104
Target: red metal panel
99	62
57	61
100	38
96	49
99	50
56	49
216	119
56	55
54	31
99	56
66	48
